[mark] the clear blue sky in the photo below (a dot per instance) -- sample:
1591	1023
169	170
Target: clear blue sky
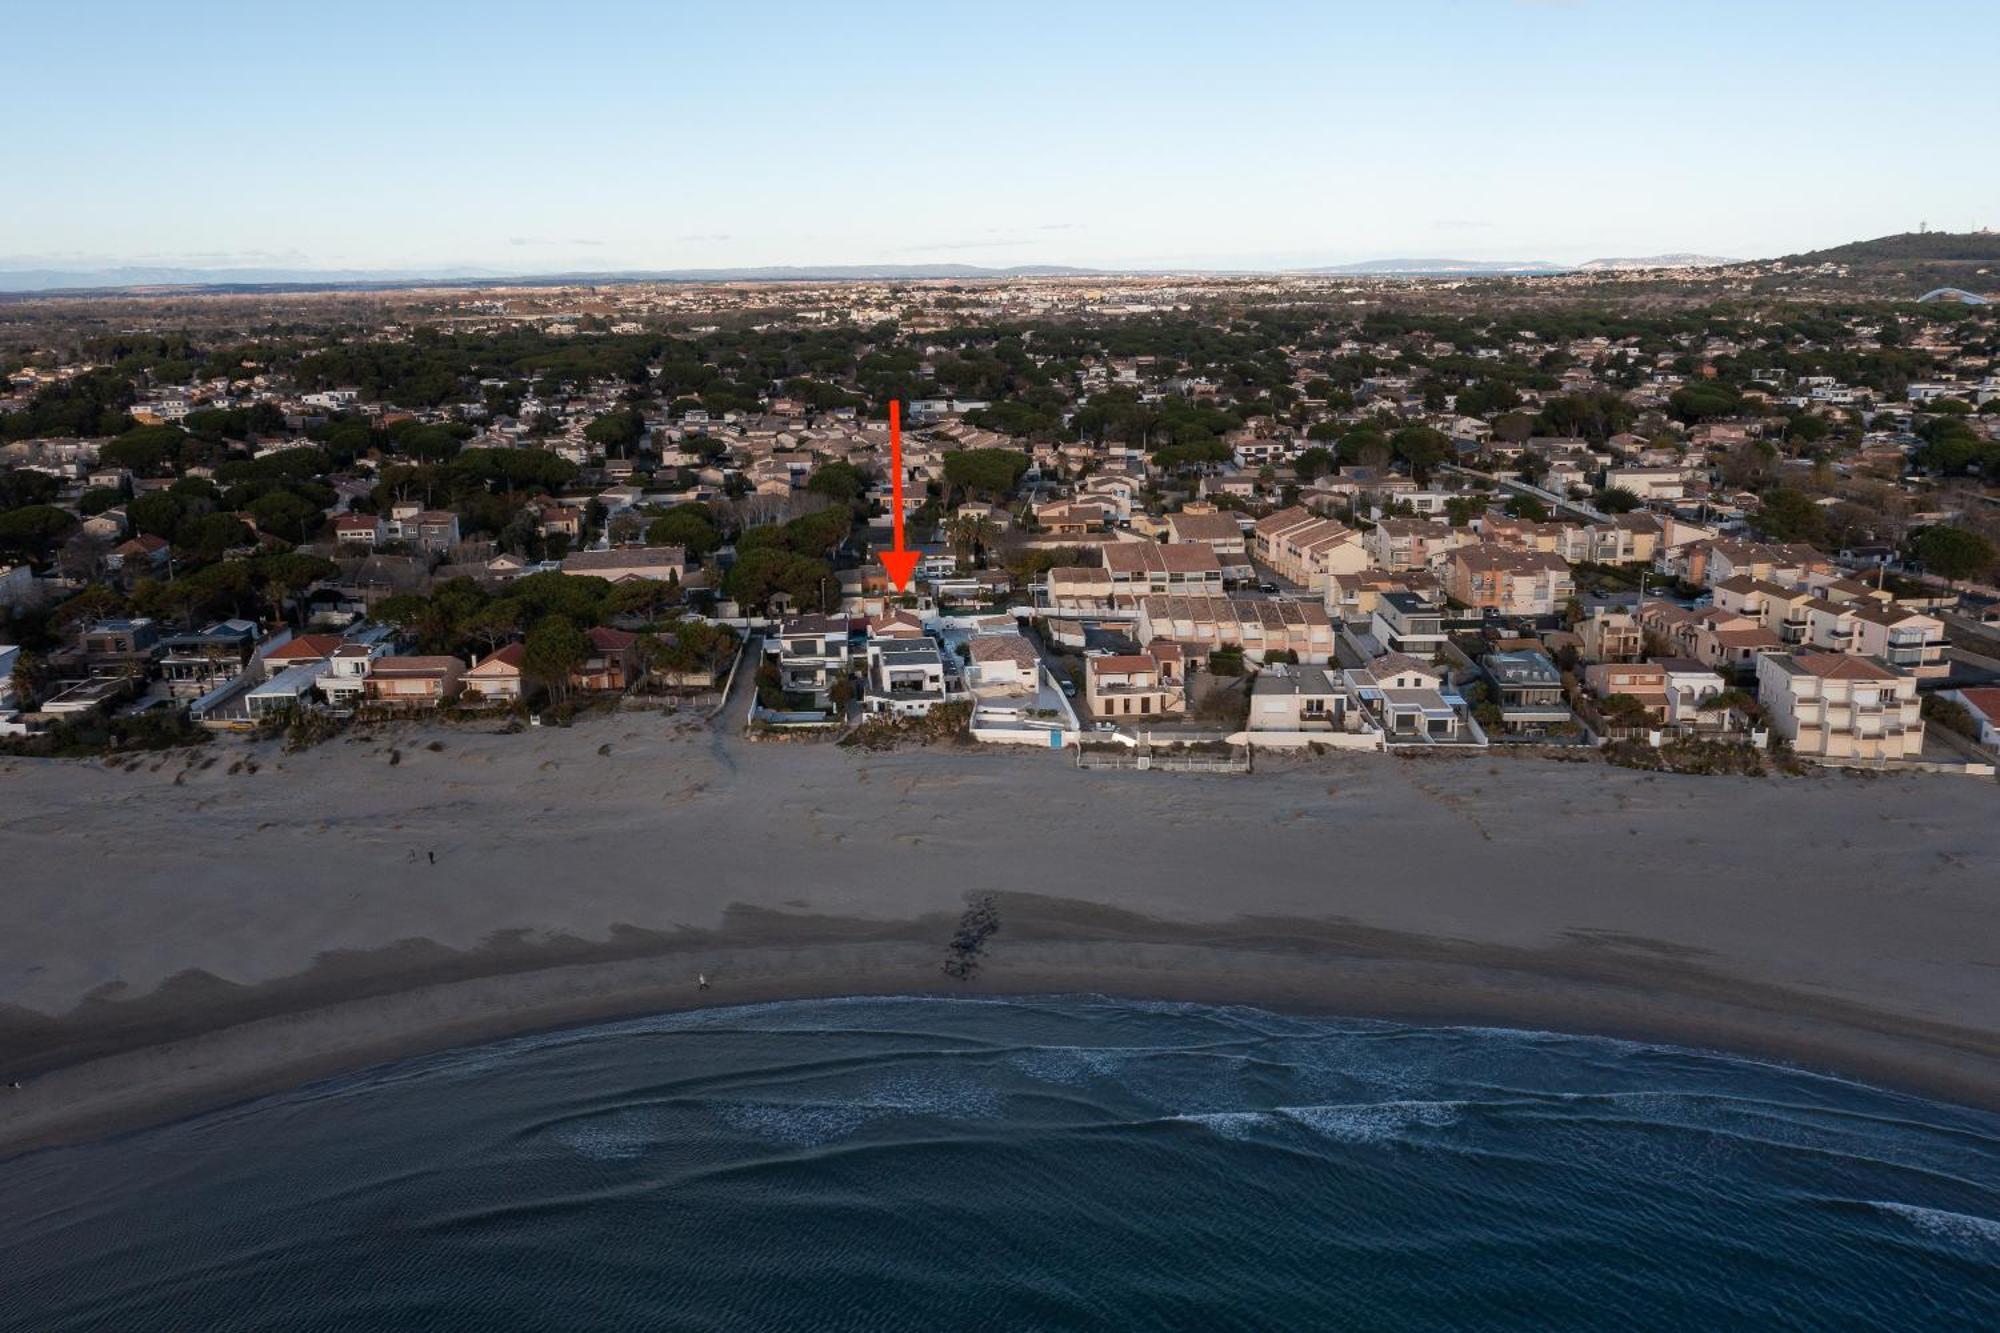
614	135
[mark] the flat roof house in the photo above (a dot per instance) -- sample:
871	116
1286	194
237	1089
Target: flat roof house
906	677
1528	689
1300	698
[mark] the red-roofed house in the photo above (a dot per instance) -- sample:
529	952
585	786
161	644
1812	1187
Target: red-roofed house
498	676
419	680
1984	705
1151	684
300	650
612	660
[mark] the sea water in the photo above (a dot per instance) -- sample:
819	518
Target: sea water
1052	1163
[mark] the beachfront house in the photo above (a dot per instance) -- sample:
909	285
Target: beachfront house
497	677
1837	707
1300	698
1408	700
1149	684
906	677
424	681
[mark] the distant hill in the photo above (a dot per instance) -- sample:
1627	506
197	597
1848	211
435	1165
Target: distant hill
1913	263
130	278
1911	247
1654	261
117	279
1435	267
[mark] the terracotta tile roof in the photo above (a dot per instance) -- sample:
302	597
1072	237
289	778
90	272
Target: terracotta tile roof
304	648
1842	666
502	661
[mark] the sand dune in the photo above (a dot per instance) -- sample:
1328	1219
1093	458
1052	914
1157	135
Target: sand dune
184	931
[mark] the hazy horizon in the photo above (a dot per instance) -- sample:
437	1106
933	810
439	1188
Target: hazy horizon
440	139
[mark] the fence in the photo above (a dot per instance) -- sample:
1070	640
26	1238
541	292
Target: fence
1166	763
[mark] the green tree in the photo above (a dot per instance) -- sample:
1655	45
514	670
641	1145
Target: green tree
1953	553
991	473
555	647
764	571
1792	516
1422	447
841	482
33	530
286	516
687	525
158	514
615	432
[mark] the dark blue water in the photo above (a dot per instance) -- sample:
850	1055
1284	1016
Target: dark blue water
1067	1163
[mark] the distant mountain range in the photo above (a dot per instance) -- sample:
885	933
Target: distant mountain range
121	278
1434	267
1656	261
1934	255
129	278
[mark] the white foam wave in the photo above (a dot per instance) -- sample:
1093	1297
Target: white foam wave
1229	1124
614	1138
1070	1066
794	1124
1372	1122
1964	1228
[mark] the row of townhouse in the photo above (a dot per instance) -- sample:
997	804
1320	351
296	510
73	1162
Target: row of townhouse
406	521
1132	570
1405	544
1840	616
1306	548
1711	561
1722	640
1626	539
1259	627
1219	531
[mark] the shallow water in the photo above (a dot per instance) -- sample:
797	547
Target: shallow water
1068	1162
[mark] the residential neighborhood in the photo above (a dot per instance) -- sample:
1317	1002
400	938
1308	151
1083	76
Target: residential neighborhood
1409	528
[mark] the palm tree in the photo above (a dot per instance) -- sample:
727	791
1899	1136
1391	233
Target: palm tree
971	532
30	673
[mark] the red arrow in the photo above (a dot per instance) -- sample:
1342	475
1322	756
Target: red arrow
899	564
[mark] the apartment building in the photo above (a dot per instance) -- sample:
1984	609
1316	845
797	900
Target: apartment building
1837	706
1509	580
1401	544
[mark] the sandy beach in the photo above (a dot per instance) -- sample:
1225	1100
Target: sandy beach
181	935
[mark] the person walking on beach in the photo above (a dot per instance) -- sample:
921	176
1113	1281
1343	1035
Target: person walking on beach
434	858
701	981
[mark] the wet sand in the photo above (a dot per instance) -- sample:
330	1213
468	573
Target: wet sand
182	936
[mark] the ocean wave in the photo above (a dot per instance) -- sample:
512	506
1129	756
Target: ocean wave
1374	1122
1229	1124
1963	1228
810	1124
